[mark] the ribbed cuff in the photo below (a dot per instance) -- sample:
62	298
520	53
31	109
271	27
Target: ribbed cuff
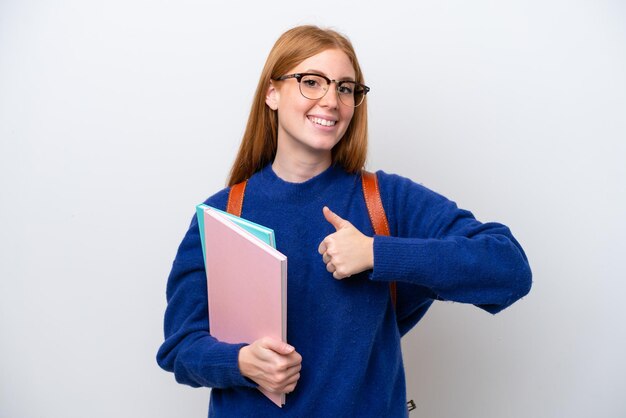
227	364
400	259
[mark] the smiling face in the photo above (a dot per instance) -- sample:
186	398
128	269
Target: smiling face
309	126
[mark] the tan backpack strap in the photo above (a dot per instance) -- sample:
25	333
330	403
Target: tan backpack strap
374	203
377	214
393	289
235	198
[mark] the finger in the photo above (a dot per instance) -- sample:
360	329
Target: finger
277	346
289	379
331	268
334	219
291	387
292	380
289	361
326	258
322	248
292	371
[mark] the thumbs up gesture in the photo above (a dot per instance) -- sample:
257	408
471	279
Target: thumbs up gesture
346	251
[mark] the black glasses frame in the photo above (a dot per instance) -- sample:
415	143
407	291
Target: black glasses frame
359	88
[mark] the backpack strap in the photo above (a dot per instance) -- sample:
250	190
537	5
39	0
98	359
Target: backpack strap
235	198
377	215
374	204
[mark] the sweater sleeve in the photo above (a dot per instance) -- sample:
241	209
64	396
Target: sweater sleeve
445	252
189	351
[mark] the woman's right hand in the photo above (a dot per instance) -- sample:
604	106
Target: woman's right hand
274	365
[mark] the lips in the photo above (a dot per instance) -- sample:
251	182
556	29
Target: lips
322	121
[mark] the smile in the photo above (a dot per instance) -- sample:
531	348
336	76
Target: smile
323	122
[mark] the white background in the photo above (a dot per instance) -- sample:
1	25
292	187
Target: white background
117	117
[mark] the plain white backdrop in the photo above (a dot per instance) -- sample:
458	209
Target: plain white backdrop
117	117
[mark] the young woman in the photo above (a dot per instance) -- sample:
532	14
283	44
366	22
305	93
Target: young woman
302	153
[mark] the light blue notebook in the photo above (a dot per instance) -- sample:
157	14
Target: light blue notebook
265	234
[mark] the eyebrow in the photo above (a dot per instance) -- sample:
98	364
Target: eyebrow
311	70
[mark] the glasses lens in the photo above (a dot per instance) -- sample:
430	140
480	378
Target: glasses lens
313	87
351	93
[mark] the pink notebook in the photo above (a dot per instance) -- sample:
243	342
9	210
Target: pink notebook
246	284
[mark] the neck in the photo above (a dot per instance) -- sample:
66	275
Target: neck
298	170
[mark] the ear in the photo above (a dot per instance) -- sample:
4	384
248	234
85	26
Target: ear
272	97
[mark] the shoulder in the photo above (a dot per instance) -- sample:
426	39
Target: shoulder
411	207
399	188
219	199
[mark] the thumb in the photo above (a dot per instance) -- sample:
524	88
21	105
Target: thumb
335	220
277	346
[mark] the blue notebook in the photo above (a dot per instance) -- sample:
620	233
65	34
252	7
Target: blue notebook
263	233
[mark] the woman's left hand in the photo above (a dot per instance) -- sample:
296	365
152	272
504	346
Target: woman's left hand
346	251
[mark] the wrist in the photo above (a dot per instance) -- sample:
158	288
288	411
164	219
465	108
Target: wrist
242	360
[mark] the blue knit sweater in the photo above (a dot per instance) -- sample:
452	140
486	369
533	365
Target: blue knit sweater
346	330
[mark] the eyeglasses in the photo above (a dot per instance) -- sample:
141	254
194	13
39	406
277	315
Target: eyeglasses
315	86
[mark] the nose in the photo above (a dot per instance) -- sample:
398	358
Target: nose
331	97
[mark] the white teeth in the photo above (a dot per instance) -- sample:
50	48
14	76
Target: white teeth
323	122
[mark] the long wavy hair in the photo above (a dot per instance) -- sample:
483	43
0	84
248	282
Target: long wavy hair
259	142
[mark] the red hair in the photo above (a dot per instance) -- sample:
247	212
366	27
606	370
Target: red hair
259	142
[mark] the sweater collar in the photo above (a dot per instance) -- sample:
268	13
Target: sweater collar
277	187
